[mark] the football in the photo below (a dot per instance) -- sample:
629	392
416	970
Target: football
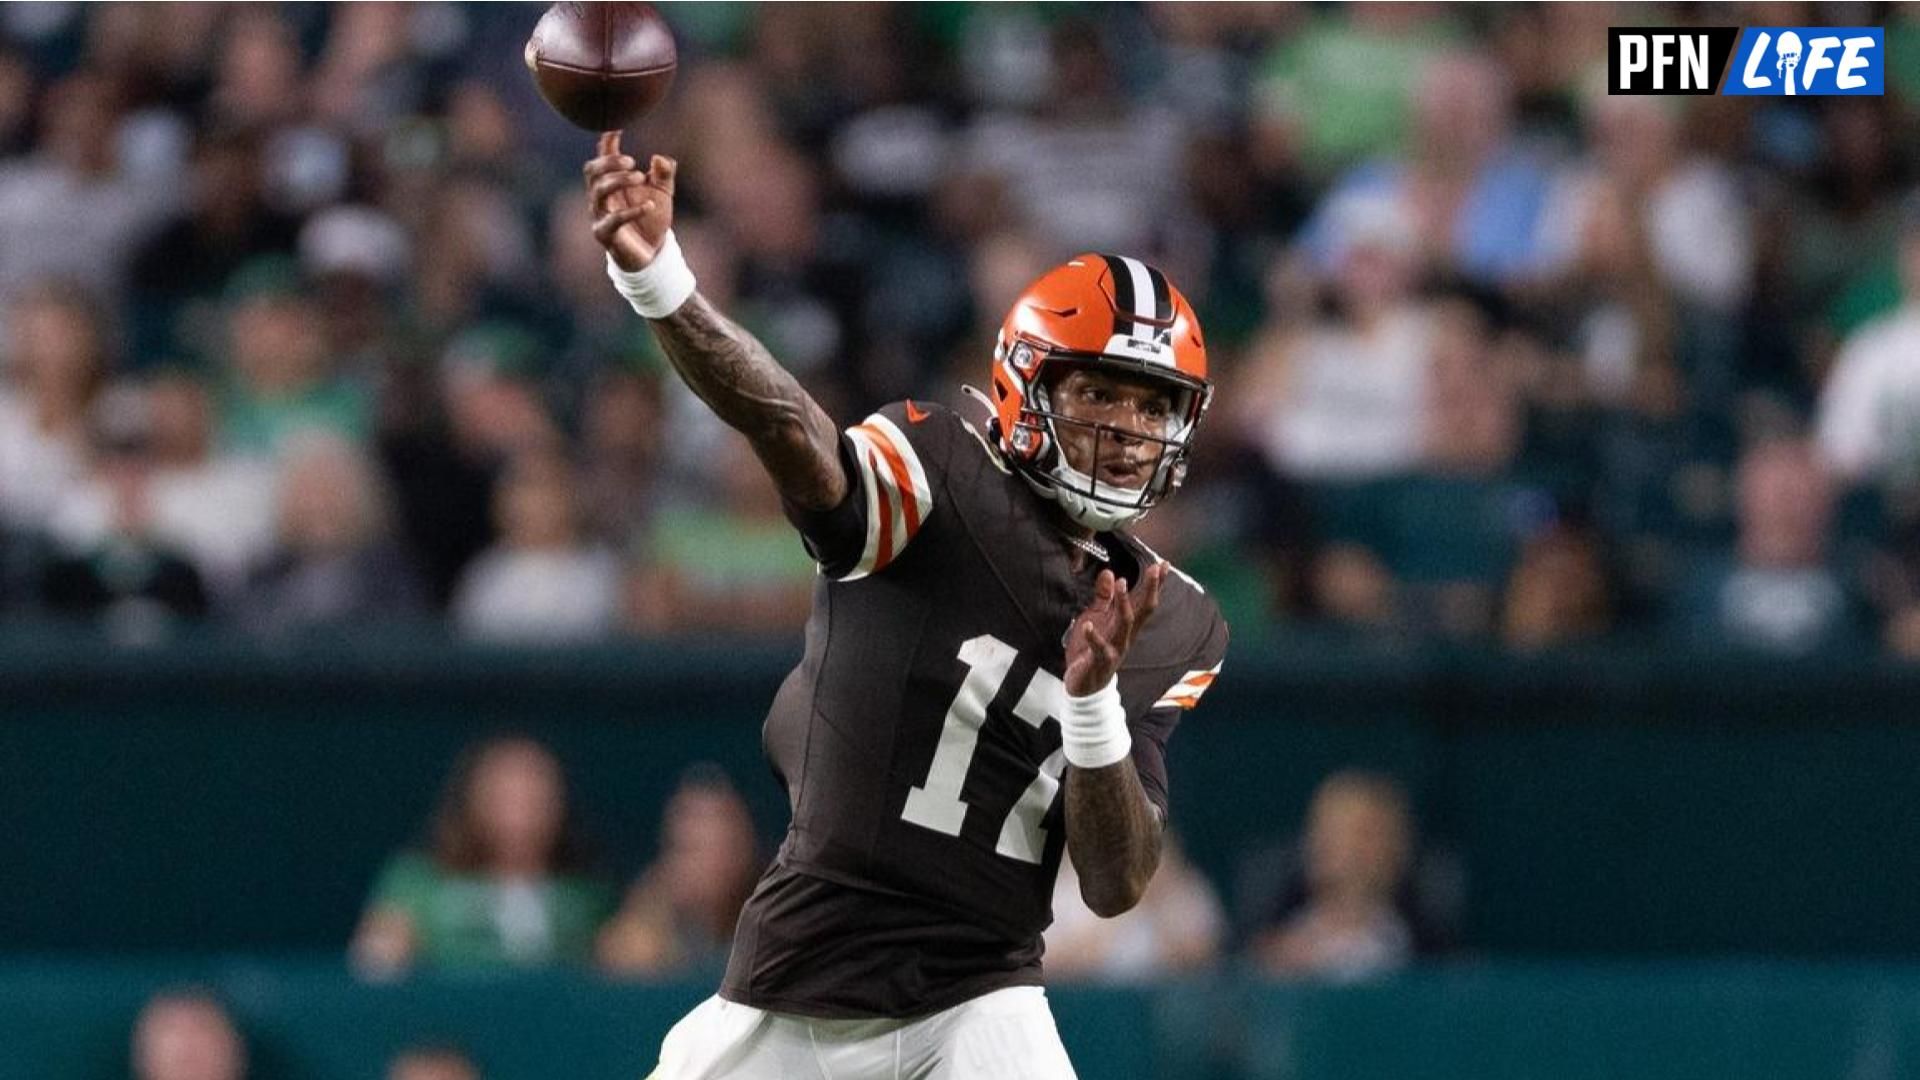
602	65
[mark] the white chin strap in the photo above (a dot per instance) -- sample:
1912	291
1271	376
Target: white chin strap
1069	487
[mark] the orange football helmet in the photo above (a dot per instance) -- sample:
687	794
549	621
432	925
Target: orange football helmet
1112	313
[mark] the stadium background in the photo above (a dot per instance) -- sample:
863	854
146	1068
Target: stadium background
1562	471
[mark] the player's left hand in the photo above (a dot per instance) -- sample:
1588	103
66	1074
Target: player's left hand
1102	634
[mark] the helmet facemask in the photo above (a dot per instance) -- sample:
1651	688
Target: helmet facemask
1038	450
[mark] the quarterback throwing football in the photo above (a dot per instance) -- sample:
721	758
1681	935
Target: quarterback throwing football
985	635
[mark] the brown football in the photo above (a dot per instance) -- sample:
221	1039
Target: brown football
602	66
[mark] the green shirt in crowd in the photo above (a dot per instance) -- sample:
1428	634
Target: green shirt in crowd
463	921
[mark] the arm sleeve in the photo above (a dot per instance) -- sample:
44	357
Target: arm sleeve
894	461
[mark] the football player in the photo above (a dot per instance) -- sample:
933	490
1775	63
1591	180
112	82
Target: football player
992	670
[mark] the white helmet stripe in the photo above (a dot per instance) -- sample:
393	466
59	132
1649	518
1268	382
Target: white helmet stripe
1143	299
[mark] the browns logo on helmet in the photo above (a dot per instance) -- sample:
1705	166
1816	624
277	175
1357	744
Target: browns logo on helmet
1111	313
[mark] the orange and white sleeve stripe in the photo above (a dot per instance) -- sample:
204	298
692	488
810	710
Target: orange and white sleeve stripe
898	496
1185	694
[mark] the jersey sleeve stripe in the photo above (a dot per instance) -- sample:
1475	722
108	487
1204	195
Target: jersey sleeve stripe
898	496
902	479
870	548
903	449
863	459
883	550
1185	694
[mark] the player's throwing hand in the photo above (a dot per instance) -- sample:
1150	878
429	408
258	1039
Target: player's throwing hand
632	210
1103	633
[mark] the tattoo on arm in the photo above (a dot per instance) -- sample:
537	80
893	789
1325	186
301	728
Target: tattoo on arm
745	386
1113	836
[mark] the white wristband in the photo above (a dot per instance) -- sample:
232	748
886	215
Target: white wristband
1094	731
657	289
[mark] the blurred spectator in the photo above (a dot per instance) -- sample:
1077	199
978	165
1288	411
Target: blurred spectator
1000	265
1089	170
482	137
504	881
444	455
282	379
619	475
126	576
213	508
68	210
1832	239
54	363
157	55
1346	399
1470	196
1552	52
356	256
1621	318
177	275
1697	227
257	80
187	1035
432	1063
1474	423
731	564
1458	521
334	566
679	916
1340	90
599	320
1348	904
482	256
545	581
1558	592
16	101
1781	590
1175	929
366	77
1652	240
1869	424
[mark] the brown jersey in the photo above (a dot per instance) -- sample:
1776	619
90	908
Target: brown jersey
918	739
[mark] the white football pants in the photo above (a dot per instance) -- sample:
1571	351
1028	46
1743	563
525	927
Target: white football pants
1004	1035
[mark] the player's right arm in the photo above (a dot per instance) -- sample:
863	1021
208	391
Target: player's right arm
721	362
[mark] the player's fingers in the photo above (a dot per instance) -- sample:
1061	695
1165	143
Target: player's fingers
606	163
1080	635
607	224
609	143
606	190
1122	610
615	181
1106	654
660	172
1102	592
1150	584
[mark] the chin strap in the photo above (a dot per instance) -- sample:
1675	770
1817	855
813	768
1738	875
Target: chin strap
1063	484
1097	505
980	396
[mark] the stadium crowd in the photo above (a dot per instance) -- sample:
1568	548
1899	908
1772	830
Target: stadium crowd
504	878
304	329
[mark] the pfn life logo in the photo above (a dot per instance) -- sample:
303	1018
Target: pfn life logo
1791	61
1797	60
